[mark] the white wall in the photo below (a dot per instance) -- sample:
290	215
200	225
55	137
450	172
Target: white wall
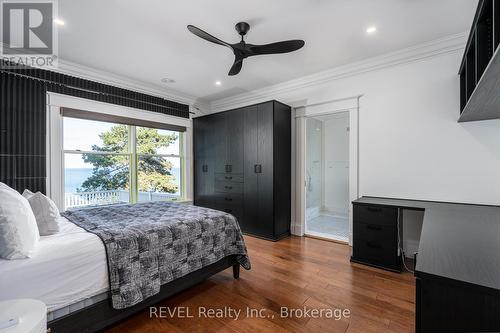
410	144
336	164
412	228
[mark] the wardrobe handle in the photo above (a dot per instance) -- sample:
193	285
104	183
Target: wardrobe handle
204	168
229	168
228	187
257	168
228	177
228	199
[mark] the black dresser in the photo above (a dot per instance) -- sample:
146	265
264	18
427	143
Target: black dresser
375	236
242	161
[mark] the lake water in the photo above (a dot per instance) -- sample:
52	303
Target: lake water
74	177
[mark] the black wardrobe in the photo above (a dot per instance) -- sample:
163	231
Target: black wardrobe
242	161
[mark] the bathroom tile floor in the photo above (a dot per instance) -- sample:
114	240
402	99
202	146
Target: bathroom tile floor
330	225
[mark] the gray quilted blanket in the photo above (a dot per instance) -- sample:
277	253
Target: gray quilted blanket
149	244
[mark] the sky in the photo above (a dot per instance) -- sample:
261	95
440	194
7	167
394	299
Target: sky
81	134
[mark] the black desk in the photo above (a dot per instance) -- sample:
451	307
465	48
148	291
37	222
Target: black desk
458	265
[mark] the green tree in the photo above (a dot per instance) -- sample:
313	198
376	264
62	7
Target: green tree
111	172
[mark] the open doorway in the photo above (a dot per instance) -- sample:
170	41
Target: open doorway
327	176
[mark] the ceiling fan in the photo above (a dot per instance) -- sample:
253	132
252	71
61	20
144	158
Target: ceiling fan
243	50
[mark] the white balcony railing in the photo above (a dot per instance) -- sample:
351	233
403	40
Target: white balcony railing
81	199
91	198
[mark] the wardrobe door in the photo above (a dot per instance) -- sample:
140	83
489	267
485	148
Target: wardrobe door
220	142
251	182
209	160
265	170
235	132
198	161
200	167
258	186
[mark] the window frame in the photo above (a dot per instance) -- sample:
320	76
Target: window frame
55	148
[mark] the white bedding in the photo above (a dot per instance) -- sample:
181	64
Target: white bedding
66	268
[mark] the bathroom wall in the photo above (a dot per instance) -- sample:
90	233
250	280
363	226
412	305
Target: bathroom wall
314	175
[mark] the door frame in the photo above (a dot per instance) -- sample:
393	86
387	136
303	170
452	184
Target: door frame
351	105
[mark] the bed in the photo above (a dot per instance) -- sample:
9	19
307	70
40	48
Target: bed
72	274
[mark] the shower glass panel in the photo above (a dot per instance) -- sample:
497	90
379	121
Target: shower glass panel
327	176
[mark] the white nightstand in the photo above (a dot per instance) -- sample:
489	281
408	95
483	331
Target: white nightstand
31	314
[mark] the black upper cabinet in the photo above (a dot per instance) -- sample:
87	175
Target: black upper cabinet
496	25
484	38
480	69
252	157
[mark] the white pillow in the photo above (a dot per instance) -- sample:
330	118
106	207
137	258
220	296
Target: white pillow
28	194
18	230
7	187
45	211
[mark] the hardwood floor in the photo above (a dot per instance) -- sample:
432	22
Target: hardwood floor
296	272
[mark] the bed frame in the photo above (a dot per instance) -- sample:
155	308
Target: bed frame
102	315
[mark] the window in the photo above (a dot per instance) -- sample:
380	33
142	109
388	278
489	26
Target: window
107	163
159	164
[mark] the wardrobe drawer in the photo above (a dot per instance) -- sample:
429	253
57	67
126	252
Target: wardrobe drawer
229	177
384	234
228	187
229	199
373	214
232	204
236	211
376	253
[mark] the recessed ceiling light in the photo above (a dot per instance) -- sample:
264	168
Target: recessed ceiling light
371	30
167	80
59	22
218	83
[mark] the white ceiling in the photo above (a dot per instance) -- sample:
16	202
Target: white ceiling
148	40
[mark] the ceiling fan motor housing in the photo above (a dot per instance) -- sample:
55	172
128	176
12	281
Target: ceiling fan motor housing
242	28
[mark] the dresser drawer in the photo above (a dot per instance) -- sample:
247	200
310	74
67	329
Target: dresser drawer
228	187
375	253
229	177
384	234
373	214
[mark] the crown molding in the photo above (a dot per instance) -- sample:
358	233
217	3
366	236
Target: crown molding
445	45
78	70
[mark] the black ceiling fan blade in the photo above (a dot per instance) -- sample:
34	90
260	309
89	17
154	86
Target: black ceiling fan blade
236	68
278	47
206	36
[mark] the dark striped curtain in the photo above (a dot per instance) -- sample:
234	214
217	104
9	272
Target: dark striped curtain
22	133
23	118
